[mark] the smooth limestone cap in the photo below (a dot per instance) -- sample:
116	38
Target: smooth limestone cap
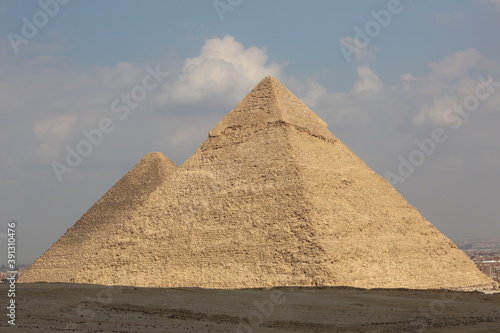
270	102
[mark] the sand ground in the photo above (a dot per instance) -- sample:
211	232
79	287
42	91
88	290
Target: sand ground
58	307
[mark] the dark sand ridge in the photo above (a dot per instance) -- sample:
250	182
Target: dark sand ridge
271	198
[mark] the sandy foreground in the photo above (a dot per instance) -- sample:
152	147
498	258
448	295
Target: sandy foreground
57	307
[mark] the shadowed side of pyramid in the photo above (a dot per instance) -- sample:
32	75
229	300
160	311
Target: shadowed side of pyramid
79	251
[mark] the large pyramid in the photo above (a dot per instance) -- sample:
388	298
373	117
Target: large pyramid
271	198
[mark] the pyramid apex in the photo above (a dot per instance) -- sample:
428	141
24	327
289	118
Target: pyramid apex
154	156
270	79
270	102
156	160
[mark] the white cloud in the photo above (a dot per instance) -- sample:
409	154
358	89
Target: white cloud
357	105
57	127
458	64
224	67
363	54
314	92
51	132
449	84
434	113
448	17
415	103
406	81
367	80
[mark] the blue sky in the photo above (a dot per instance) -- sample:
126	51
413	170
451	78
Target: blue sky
397	88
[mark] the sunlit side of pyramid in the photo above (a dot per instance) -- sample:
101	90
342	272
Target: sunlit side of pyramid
272	198
100	243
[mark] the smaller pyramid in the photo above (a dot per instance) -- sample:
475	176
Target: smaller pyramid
80	249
